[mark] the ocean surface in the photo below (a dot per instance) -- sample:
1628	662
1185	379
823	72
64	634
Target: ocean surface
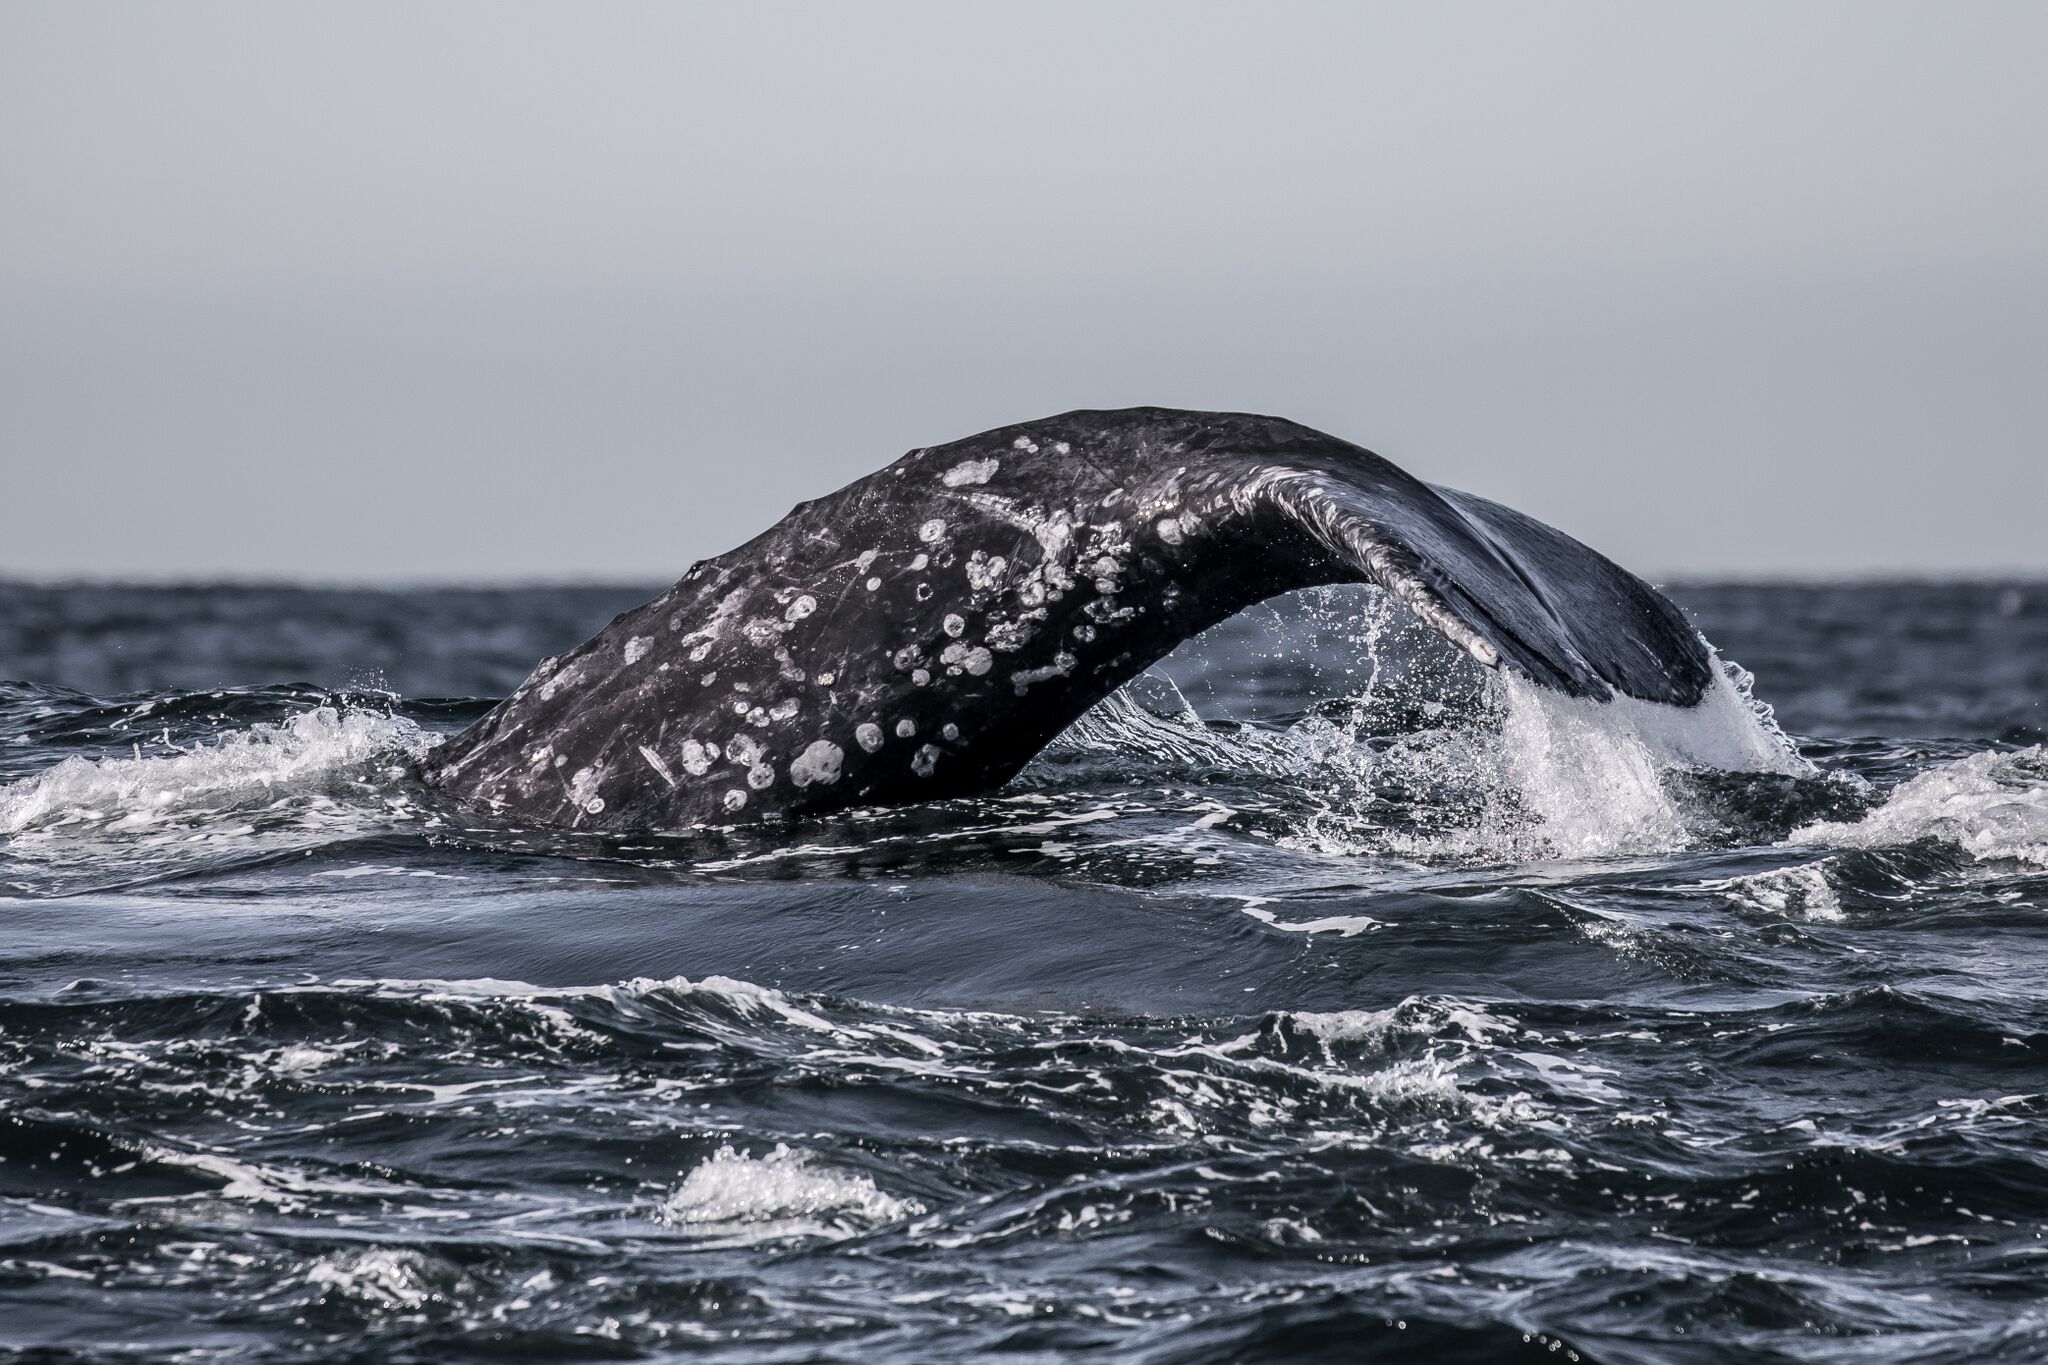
1320	997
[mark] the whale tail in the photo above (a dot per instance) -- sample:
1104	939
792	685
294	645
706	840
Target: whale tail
1507	589
925	630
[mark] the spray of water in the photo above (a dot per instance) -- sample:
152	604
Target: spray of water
1428	756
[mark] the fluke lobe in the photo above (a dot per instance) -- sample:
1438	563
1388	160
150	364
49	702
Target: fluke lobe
925	630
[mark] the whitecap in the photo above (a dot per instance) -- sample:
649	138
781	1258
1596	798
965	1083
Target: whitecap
782	1194
1992	805
259	764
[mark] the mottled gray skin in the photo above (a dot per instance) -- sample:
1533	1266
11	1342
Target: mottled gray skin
925	630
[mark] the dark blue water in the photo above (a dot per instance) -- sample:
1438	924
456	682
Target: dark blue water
1319	998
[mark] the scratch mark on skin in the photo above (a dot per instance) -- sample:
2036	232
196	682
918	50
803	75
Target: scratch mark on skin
660	768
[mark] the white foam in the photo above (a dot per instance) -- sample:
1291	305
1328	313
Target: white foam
1589	775
1802	890
123	795
782	1194
1529	775
1417	1015
1551	776
1994	806
379	1276
1344	926
744	996
255	1183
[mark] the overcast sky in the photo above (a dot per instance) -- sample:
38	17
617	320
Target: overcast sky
497	290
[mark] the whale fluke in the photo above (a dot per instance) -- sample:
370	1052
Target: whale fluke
925	630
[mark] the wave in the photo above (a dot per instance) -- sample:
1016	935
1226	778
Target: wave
261	763
1992	805
1419	756
782	1194
322	775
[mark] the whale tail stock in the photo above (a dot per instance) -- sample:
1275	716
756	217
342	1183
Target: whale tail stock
925	630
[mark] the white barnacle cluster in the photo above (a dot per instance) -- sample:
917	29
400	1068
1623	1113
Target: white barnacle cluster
986	572
749	753
1174	525
1008	600
960	656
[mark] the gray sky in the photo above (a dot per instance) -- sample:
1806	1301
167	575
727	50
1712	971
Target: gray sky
475	291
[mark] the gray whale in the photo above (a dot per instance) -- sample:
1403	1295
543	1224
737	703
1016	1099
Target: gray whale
925	630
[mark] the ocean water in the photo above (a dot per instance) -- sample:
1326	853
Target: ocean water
1320	997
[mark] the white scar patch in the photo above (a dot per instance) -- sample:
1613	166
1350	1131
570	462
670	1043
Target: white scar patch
969	471
637	647
817	763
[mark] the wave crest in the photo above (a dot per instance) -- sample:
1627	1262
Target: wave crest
1992	805
256	765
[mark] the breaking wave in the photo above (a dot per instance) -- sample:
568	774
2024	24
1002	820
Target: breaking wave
1993	806
242	769
782	1194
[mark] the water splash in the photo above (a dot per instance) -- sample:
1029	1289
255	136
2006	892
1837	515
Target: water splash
781	1194
242	769
1992	805
1491	768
